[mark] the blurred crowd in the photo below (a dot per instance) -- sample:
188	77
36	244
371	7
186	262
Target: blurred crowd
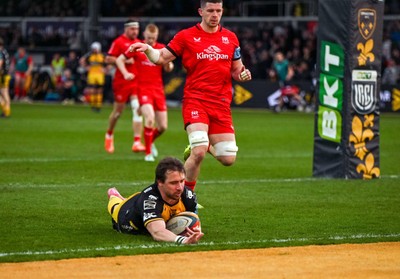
140	8
115	8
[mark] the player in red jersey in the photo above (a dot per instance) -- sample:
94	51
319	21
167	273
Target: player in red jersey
22	66
211	56
153	105
123	89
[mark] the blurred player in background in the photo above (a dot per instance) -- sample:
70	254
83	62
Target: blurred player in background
149	210
94	62
153	105
211	56
124	89
22	66
5	102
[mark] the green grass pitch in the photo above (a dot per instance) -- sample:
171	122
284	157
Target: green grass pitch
54	175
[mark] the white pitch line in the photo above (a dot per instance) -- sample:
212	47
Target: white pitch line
145	183
72	159
55	160
208	244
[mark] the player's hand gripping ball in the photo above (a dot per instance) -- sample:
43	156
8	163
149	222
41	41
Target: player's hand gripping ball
178	223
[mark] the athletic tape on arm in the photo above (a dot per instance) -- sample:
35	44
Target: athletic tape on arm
152	54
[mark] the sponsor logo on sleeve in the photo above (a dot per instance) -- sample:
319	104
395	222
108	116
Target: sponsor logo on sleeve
148	216
147	205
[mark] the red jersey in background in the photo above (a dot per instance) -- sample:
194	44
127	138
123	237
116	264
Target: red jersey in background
118	47
151	85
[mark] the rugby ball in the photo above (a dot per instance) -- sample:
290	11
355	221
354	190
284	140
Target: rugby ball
178	223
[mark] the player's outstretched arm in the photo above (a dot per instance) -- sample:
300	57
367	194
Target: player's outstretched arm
159	232
120	63
157	56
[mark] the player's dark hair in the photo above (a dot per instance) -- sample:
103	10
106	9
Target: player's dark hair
168	164
204	2
130	20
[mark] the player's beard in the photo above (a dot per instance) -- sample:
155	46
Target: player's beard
213	23
175	196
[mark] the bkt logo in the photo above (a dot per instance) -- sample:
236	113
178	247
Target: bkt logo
331	91
212	53
364	75
364	95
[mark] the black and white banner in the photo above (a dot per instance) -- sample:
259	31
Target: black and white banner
346	134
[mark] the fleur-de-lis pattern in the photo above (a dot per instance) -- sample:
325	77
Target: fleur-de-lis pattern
369	120
359	137
366	52
360	133
368	169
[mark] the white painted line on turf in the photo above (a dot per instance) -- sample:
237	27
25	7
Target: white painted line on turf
145	183
208	244
55	160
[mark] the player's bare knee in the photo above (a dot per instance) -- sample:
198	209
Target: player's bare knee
162	128
115	115
149	122
227	160
198	154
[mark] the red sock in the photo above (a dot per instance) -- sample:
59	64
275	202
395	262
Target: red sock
156	134
136	138
110	132
190	184
148	139
17	92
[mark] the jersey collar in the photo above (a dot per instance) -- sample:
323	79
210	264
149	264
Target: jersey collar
198	26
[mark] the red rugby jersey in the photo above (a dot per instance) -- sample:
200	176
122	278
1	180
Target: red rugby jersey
207	57
118	47
150	73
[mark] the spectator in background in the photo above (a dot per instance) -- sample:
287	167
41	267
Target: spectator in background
283	68
72	63
21	66
390	74
42	85
57	67
5	102
264	64
68	88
